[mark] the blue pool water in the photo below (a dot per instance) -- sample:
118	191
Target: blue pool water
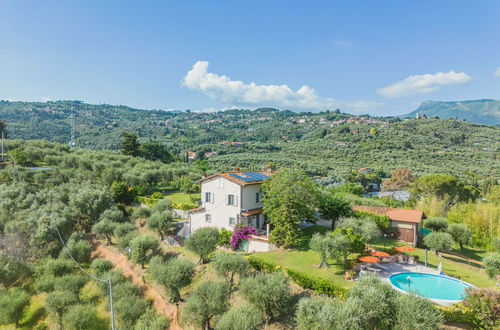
430	286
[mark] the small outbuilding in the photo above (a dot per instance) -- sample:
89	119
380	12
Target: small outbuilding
406	223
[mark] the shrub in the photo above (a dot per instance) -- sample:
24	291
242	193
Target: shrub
262	265
203	242
244	317
224	237
124	241
458	313
12	269
492	264
207	301
270	293
157	195
241	233
438	241
414	312
485	304
320	285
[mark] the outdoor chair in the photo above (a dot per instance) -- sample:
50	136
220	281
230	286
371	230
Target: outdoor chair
401	259
411	260
348	276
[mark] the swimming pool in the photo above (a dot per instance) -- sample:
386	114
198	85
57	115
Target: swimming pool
430	285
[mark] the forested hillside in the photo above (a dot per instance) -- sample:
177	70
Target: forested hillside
330	144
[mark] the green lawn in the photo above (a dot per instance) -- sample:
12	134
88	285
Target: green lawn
178	197
456	263
306	260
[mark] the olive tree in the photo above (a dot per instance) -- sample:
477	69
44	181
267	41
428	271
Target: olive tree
207	301
151	321
12	304
104	229
270	293
438	241
244	317
82	317
160	221
322	244
414	312
59	302
460	233
228	265
492	264
436	224
142	246
173	275
203	242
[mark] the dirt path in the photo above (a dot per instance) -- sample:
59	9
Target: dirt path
120	261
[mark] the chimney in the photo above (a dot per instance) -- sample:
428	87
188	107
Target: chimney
237	169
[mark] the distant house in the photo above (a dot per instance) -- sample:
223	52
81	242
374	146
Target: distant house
234	144
210	154
342	144
191	155
230	199
406	223
365	170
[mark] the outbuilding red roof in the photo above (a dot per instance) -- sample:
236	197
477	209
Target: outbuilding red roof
402	215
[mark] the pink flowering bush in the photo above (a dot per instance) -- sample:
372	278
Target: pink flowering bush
240	233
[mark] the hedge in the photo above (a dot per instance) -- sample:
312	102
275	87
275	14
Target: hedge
319	285
458	313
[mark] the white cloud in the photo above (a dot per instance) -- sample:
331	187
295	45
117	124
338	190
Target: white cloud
46	99
497	72
236	93
425	83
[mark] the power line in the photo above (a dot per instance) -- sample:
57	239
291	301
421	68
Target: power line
108	280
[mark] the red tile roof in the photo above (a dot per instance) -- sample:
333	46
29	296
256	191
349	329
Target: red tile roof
403	215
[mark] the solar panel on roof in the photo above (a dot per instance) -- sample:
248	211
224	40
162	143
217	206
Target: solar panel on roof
250	176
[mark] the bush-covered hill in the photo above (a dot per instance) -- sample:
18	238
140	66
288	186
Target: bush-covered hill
325	144
475	111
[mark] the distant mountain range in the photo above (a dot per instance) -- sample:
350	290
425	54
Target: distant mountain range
474	111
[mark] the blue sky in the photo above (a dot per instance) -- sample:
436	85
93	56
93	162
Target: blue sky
379	57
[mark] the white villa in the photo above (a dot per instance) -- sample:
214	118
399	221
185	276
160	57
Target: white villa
230	199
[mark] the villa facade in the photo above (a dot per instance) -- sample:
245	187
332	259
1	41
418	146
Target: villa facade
229	199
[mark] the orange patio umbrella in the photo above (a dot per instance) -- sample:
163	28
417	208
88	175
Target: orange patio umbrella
379	254
405	248
369	259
